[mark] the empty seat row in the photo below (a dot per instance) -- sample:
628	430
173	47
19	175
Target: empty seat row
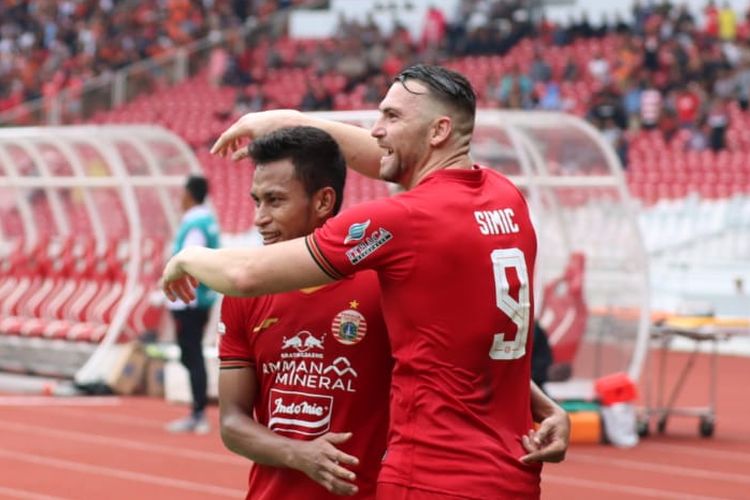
67	289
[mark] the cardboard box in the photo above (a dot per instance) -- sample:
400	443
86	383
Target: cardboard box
155	377
128	369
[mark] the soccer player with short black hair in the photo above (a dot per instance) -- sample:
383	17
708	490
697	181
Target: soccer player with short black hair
301	369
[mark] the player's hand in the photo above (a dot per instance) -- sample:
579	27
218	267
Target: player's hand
549	442
234	139
176	283
324	463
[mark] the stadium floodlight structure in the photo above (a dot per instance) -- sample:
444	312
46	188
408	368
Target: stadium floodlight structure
112	186
576	189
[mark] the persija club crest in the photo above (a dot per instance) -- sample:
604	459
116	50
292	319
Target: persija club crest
349	327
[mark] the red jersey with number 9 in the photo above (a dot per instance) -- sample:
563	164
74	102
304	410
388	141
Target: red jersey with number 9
455	259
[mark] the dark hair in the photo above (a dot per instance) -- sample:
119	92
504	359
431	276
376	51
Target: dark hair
448	87
317	159
197	186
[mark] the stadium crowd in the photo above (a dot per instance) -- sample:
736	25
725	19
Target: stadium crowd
47	46
662	71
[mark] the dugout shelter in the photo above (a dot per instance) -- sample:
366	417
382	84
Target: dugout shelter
87	213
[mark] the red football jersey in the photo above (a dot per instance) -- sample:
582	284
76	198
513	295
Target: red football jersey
455	257
323	364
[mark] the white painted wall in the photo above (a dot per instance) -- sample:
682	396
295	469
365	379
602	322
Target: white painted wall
410	13
596	8
321	24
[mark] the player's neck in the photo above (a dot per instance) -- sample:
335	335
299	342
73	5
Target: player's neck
457	160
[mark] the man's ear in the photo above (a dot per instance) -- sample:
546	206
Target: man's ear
323	202
442	129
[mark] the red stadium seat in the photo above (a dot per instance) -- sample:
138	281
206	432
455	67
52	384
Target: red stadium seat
564	313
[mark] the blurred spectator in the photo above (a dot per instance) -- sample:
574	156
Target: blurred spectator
550	97
515	90
599	68
541	71
711	23
606	107
376	88
627	60
698	140
640	15
743	84
615	137
718	121
435	26
218	64
651	53
249	100
688	105
631	103
727	23
668	125
571	71
725	84
650	107
317	97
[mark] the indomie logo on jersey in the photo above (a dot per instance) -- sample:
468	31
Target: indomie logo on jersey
356	231
377	239
299	412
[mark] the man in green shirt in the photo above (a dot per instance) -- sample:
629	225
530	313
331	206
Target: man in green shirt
197	228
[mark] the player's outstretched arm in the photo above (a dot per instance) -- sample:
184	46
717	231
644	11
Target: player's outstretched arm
275	268
549	442
359	147
319	459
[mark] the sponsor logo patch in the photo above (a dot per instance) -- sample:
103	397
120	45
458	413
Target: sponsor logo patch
303	342
267	323
349	327
357	231
377	239
291	412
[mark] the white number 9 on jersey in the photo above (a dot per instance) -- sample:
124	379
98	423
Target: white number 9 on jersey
518	311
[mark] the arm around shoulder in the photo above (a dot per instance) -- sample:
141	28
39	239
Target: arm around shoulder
359	147
248	272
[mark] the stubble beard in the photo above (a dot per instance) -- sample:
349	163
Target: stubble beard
392	171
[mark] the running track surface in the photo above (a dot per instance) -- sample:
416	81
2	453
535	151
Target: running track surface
116	448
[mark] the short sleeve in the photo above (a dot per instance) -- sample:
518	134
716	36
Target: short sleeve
234	348
368	236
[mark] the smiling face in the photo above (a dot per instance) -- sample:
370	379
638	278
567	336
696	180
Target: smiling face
284	210
402	131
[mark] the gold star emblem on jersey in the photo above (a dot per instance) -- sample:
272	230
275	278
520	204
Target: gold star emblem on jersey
354	304
265	324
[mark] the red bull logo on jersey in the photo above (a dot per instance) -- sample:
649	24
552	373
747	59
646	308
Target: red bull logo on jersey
293	412
377	239
302	342
349	327
356	231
